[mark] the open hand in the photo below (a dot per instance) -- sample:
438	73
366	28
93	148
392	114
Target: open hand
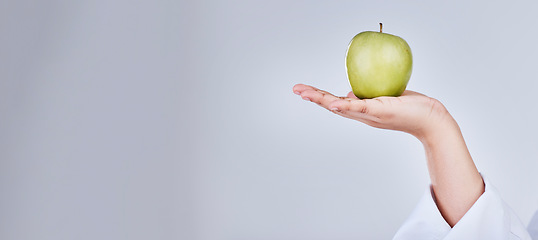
412	112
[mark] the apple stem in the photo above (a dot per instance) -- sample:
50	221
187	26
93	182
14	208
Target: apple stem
380	27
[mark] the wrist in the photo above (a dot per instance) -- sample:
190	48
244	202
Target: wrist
440	131
438	124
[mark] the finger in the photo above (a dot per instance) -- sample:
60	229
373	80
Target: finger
320	97
300	88
358	109
352	95
350	105
364	118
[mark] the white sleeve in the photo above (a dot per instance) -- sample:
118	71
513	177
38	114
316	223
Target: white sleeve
489	218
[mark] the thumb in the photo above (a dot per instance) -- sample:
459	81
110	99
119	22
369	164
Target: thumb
352	95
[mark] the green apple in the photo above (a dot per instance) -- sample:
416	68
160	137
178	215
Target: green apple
378	64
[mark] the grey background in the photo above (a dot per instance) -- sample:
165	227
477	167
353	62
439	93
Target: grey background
176	120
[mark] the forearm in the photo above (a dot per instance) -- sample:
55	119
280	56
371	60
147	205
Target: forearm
456	182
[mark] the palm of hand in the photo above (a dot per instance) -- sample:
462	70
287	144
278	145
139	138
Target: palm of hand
412	112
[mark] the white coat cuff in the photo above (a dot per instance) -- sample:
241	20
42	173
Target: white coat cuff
489	218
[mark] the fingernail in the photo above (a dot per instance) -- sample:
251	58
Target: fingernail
297	92
307	99
335	109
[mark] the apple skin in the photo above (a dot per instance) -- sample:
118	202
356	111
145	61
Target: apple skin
378	64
